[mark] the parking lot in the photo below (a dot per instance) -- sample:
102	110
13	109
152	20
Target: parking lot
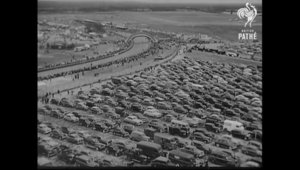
188	90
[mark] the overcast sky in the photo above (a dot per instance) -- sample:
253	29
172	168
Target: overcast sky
174	1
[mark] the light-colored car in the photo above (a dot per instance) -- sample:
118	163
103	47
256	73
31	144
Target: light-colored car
153	113
42	128
133	120
70	117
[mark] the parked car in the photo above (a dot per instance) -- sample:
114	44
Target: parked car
42	128
182	159
154	113
161	162
128	128
163	105
101	127
193	150
230	125
137	107
200	137
224	143
43	110
256	144
104	163
179	128
54	101
149	132
119	132
150	149
58	135
70	117
204	132
65	102
158	125
221	158
250	164
93	143
202	146
136	155
242	134
256	134
251	150
81	106
139	136
74	138
57	113
44	162
85	161
166	141
212	127
133	120
169	118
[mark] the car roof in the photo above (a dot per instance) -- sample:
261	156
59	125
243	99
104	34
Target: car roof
182	154
151	144
164	135
161	159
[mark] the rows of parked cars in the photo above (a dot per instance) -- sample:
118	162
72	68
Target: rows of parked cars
216	107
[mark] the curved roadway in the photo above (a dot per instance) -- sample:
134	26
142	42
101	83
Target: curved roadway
137	48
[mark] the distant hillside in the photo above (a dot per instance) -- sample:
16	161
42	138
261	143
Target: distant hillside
50	6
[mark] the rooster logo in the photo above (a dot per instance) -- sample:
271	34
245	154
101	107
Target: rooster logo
249	12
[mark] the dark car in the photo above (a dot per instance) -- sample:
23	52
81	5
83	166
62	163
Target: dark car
114	150
251	150
119	132
58	135
205	132
137	107
202	146
57	114
66	130
136	155
200	137
83	121
221	158
54	101
65	102
212	127
149	132
101	127
223	143
93	143
256	134
104	163
85	161
158	126
242	134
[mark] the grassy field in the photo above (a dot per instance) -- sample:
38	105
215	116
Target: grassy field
221	25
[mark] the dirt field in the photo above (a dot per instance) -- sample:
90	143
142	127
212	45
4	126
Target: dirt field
221	58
